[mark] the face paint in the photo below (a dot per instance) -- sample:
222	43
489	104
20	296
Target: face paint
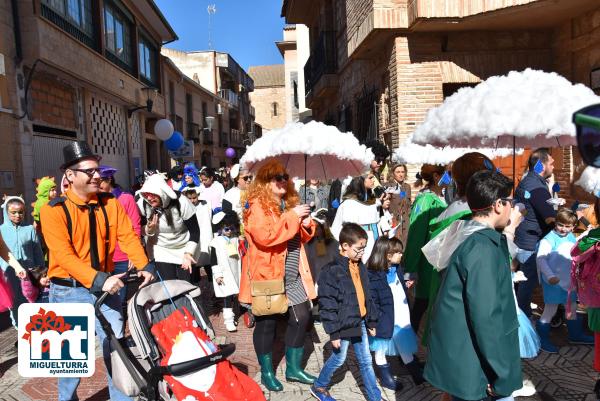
539	167
446	179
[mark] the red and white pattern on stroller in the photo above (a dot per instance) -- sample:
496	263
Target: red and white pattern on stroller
170	354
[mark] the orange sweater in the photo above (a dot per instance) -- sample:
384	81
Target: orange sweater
72	259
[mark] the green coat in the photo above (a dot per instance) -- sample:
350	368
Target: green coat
474	339
426	208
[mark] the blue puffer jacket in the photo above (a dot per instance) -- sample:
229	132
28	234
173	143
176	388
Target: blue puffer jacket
383	300
338	303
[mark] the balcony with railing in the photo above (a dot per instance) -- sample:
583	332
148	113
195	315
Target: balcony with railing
223	139
193	131
230	96
320	70
207	137
235	138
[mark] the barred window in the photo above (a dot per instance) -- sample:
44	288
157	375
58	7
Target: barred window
148	60
72	16
117	36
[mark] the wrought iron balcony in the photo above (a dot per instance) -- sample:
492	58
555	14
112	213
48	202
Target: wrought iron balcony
322	60
230	96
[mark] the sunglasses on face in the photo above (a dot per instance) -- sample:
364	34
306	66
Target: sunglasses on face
281	177
380	161
228	228
247	178
587	122
90	172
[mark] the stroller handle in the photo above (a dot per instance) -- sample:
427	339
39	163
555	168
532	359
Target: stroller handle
194	365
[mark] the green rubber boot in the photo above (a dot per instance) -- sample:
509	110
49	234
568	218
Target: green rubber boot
267	374
293	371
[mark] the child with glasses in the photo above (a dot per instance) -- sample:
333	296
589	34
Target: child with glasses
348	313
226	263
554	268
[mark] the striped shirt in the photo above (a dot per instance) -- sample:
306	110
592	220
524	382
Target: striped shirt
294	288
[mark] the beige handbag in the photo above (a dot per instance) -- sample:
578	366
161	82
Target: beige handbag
268	297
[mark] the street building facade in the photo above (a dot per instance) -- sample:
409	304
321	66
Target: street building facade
269	96
377	66
222	76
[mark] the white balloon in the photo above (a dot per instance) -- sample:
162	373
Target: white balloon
163	129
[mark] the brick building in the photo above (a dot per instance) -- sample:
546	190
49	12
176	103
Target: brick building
269	96
80	70
223	77
377	66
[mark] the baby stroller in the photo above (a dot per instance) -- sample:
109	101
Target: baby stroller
169	354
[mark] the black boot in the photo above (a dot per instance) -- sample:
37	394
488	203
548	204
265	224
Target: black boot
386	379
416	372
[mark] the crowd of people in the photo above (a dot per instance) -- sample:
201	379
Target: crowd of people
380	269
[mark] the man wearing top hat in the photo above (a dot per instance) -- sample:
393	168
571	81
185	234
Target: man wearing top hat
81	230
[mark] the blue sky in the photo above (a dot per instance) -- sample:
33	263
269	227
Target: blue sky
247	29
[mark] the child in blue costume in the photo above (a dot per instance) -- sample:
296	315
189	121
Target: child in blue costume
554	268
190	177
395	335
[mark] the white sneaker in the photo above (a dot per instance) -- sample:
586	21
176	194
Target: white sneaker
527	390
230	326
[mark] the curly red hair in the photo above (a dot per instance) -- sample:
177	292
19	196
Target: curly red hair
260	189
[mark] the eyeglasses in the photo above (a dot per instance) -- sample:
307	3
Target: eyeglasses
281	177
512	201
90	172
359	250
15	213
247	178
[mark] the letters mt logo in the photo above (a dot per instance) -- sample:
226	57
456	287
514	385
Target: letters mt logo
56	340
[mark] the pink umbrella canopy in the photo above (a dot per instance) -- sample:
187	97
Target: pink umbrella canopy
313	150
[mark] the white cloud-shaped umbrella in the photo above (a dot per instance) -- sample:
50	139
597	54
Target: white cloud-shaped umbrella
312	150
533	108
590	180
412	153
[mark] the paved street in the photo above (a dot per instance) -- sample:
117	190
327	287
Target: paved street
567	376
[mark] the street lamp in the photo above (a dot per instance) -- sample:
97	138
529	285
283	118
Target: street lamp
209	122
151	94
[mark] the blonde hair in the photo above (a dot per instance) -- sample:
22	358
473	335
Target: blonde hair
260	189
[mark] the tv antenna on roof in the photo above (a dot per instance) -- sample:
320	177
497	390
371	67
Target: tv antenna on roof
211	9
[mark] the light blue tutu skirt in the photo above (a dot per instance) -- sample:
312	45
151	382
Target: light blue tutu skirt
529	341
403	341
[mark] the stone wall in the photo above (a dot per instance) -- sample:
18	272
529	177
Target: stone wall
262	99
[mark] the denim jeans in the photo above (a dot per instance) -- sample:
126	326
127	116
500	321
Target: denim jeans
18	297
528	265
122	267
111	309
363	355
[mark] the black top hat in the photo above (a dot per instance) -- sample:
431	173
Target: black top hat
77	151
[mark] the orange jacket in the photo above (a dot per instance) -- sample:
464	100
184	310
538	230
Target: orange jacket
72	259
267	236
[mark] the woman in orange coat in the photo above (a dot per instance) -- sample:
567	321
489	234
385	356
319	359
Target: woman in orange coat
277	227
